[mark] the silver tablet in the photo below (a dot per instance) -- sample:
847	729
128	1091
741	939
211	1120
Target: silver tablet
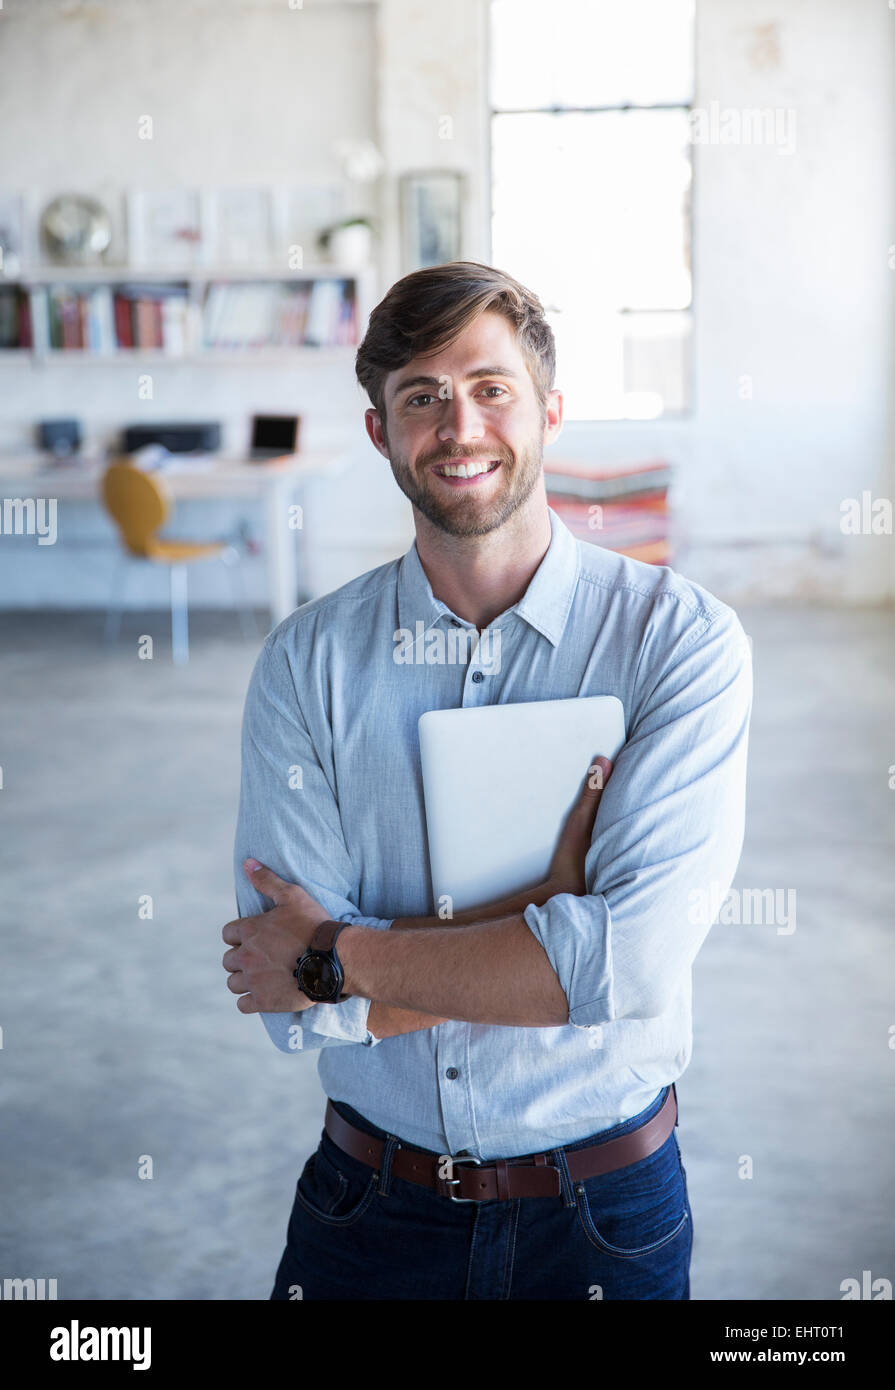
499	781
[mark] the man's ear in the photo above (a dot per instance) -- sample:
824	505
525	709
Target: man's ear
553	416
376	430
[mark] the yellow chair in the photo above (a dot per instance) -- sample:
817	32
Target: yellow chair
140	504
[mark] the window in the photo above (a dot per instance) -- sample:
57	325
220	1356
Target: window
591	175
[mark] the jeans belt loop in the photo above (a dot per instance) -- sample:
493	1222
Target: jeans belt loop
501	1168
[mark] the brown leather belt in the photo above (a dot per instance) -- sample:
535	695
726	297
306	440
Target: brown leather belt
532	1175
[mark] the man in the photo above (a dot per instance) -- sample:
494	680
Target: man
501	1085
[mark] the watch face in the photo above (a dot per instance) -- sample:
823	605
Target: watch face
318	976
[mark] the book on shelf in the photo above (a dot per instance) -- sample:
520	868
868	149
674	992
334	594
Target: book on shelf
122	322
106	318
279	314
15	317
621	509
151	317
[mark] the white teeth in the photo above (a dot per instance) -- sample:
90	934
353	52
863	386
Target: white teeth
465	470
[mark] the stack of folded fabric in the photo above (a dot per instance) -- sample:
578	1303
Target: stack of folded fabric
623	509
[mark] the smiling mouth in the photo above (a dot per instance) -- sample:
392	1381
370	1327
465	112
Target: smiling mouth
469	470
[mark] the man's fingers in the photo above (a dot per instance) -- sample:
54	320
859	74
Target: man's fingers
238	983
583	813
585	807
233	932
266	881
278	889
598	775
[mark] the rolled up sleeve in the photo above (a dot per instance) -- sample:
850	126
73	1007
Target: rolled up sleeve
289	820
669	829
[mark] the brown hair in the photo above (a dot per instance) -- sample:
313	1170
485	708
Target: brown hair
430	308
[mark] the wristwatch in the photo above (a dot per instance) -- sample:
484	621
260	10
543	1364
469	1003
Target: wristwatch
319	971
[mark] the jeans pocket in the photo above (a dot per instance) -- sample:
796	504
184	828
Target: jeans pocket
335	1188
638	1209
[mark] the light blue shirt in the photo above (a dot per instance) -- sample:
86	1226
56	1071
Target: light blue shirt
332	798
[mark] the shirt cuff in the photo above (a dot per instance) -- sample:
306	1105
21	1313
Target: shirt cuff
321	1025
575	934
356	920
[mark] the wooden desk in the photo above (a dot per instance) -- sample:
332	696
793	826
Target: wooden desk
274	481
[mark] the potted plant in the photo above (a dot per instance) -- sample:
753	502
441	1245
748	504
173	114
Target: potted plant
348	243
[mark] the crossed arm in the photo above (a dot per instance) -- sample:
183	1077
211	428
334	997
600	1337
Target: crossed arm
614	946
399	970
436	967
422	972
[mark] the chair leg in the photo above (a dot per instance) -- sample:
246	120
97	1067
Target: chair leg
180	642
248	625
115	609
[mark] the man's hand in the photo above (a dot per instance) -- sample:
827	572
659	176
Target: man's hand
266	948
566	873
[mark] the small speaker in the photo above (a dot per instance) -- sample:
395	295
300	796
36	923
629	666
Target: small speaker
59	437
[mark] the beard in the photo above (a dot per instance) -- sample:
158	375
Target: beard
465	514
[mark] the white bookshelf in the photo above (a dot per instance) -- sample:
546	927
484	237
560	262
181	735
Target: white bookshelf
197	285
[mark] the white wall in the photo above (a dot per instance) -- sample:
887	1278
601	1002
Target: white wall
792	285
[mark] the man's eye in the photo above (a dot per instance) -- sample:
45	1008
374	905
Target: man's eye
427	395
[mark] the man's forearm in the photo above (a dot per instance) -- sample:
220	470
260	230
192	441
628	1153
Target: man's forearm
386	1021
493	972
512	906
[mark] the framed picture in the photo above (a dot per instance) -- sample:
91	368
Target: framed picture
167	228
242	227
431	218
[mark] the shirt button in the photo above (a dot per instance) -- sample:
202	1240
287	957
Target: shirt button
477	677
452	1073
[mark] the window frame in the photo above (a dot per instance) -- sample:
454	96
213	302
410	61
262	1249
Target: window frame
687	411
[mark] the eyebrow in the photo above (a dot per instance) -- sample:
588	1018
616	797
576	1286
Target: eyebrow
474	375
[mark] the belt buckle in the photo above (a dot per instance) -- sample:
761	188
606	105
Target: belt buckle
450	1182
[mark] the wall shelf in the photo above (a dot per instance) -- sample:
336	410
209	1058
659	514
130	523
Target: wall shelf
320	311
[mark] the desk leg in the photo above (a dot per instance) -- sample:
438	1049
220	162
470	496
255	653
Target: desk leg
282	576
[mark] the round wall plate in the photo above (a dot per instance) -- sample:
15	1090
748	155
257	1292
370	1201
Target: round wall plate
75	229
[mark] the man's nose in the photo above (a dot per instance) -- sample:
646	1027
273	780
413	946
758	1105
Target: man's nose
461	421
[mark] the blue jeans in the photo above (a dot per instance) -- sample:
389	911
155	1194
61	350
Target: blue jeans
357	1234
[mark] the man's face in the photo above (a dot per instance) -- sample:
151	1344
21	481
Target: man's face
470	406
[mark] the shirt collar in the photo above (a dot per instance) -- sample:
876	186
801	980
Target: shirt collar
545	605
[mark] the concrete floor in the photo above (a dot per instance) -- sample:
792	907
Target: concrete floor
120	779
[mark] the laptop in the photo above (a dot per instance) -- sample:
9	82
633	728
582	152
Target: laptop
273	436
498	783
